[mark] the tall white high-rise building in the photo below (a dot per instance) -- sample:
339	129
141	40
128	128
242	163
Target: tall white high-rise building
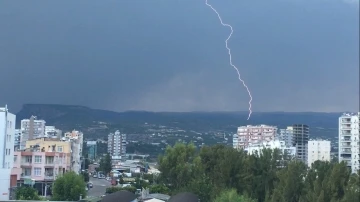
31	129
349	140
7	133
117	144
318	150
253	134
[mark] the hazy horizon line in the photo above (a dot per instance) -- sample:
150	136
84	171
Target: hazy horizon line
199	111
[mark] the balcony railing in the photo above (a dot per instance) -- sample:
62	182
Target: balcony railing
49	163
346	151
49	177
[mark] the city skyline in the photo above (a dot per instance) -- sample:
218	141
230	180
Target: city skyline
294	55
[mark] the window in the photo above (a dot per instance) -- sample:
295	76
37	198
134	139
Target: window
28	159
60	149
15	158
27	172
38	159
37	171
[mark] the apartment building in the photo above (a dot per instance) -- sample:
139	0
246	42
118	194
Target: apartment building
91	149
52	132
31	129
273	144
17	139
76	138
41	161
349	140
318	150
287	136
253	134
300	141
7	133
117	145
41	166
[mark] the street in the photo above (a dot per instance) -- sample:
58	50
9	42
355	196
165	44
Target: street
99	187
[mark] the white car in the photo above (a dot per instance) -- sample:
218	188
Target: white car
108	178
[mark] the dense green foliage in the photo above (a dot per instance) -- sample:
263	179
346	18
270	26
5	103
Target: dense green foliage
105	164
220	173
232	196
26	193
69	187
110	190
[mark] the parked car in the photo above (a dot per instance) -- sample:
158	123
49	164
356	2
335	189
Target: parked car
108	178
94	176
90	185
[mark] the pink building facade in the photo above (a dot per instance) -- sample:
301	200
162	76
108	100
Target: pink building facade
249	135
40	166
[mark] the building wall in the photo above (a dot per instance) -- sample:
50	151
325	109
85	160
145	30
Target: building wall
7	134
76	139
48	145
17	139
254	134
349	140
5	183
286	135
273	144
318	150
52	132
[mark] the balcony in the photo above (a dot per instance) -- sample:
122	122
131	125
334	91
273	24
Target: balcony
345	139
348	145
49	177
346	151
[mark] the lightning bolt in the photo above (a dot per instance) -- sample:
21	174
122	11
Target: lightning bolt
230	57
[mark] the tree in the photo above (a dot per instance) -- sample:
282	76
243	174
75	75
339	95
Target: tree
225	174
352	191
232	196
105	164
85	176
290	185
26	193
110	190
159	188
177	164
69	187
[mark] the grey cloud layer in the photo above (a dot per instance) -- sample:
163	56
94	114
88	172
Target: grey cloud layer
170	55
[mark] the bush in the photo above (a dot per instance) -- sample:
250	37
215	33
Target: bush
110	190
26	193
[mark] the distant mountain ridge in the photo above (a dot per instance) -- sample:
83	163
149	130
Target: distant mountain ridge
73	116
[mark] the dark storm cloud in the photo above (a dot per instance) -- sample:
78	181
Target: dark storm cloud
295	55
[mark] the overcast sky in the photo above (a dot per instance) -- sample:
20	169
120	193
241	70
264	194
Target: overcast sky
169	55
